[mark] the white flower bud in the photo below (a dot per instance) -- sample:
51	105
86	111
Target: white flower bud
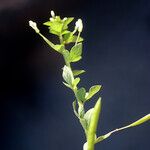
34	26
64	19
79	25
51	19
52	14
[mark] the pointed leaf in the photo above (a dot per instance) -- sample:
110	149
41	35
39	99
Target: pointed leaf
75	53
81	94
67	85
93	124
75	82
66	55
88	116
68	75
74	108
66	22
93	90
78	72
140	121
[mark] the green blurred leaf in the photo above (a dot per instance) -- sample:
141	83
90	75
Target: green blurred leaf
69	38
81	94
74	108
92	129
88	115
76	81
67	22
65	32
75	52
136	123
67	85
78	72
68	75
66	55
93	90
140	121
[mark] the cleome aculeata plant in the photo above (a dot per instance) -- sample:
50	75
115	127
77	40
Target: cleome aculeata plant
88	118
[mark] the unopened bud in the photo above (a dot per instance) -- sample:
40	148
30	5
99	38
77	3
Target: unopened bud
51	19
64	19
79	25
52	14
33	25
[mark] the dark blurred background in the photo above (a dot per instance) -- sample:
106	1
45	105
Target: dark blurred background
35	107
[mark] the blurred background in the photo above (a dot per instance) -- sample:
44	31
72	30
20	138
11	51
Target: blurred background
35	107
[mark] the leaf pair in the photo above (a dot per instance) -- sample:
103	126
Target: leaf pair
75	53
83	96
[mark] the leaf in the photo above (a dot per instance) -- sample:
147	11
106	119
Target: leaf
76	59
93	124
55	26
58	48
69	38
136	123
66	55
67	85
65	32
140	121
81	94
68	75
88	115
48	23
93	90
74	108
78	72
66	22
75	52
76	81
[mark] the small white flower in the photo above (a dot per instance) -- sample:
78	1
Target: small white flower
33	25
79	25
52	14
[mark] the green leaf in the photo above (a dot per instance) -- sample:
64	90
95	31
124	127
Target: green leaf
93	90
140	121
69	38
78	72
81	94
56	26
74	108
65	32
66	22
54	32
58	48
136	123
75	82
93	124
67	85
66	55
68	75
88	115
76	59
75	52
48	23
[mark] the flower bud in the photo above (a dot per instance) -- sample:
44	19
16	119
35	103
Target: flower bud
64	19
33	25
79	25
51	19
52	14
